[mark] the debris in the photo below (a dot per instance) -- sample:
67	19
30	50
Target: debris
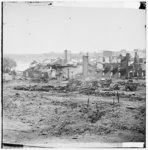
17	94
65	113
105	82
118	96
136	98
88	103
116	87
129	107
130	85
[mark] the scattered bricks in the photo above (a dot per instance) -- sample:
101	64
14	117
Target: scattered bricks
33	88
136	98
17	94
131	86
116	87
121	82
105	93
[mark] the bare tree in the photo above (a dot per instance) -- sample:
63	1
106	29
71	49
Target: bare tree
8	64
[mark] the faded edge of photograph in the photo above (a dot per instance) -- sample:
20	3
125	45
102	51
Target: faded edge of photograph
73	74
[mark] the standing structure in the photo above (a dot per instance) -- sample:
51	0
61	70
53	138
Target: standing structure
127	63
85	66
66	57
123	52
124	69
136	64
108	56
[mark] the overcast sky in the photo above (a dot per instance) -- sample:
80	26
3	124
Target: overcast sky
37	28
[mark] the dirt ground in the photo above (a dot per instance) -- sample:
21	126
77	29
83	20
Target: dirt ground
39	117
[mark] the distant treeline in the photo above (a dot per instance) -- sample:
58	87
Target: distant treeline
40	57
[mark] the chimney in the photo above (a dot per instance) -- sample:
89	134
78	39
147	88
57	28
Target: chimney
85	66
136	58
127	63
128	56
65	56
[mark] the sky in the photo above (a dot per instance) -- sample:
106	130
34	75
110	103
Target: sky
40	28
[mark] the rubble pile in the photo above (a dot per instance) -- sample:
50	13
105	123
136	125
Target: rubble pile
115	87
89	110
38	80
80	120
136	98
142	84
33	88
74	85
86	88
122	83
91	87
105	93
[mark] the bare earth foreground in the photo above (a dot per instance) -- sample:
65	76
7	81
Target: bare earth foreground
44	117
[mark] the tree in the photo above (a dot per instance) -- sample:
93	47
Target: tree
8	64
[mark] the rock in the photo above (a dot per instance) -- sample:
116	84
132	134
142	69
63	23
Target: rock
17	94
